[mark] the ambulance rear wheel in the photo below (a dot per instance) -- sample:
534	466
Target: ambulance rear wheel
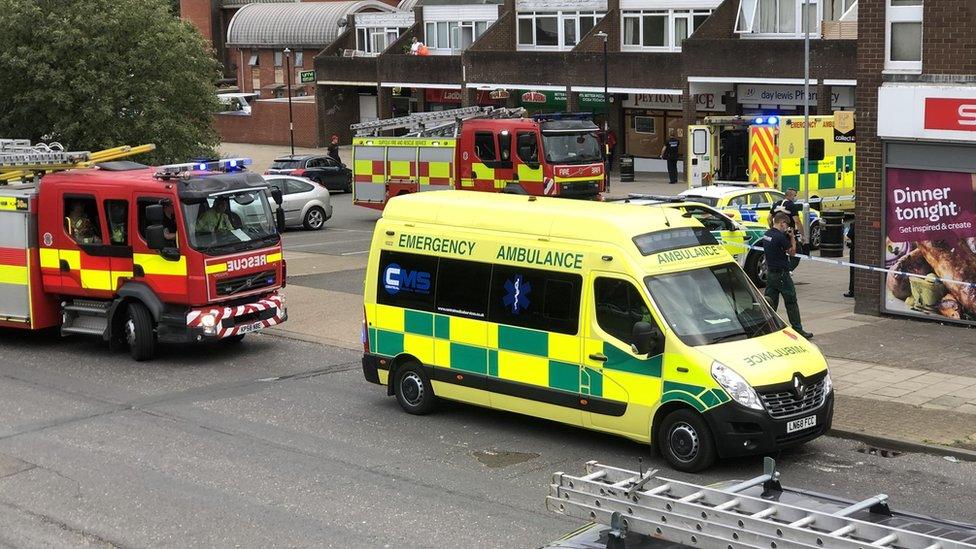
140	332
686	441
413	390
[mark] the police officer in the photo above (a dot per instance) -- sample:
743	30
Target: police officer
778	243
670	152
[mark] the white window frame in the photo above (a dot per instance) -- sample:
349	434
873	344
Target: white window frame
669	27
454	30
901	14
747	20
365	37
561	18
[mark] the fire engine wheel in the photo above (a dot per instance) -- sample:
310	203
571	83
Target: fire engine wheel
314	219
685	441
140	333
414	391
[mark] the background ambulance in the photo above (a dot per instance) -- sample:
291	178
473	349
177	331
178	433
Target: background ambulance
614	317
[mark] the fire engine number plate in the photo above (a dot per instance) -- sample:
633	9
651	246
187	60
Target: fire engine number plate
251	327
801	424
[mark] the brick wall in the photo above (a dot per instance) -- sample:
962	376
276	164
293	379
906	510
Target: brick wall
268	124
200	14
947	37
338	108
499	37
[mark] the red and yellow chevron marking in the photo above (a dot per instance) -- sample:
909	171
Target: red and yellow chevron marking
763	156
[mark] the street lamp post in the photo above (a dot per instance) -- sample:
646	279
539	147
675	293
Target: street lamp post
606	103
291	121
806	21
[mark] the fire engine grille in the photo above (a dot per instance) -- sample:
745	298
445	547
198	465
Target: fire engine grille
246	283
784	404
580	188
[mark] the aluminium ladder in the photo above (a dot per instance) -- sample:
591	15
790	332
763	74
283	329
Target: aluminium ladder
20	160
440	123
727	518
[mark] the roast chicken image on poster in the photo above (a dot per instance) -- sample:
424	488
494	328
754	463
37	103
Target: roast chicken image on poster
931	244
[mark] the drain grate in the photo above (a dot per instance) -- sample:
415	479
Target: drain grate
883	452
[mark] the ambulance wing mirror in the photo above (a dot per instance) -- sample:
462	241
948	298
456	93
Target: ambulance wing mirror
647	338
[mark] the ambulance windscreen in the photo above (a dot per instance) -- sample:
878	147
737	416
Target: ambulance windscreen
673	239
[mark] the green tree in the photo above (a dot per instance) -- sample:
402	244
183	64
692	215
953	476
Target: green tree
94	74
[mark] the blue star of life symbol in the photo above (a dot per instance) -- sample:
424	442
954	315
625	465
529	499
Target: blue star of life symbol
517	298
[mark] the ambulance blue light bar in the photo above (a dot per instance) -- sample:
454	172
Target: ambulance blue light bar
762	120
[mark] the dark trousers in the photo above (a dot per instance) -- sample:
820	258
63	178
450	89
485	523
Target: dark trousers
850	283
673	170
781	283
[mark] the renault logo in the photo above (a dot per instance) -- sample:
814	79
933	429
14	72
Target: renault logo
798	387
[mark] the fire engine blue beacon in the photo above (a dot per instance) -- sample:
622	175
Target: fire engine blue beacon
517	296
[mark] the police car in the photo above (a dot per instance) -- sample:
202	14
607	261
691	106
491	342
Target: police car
748	204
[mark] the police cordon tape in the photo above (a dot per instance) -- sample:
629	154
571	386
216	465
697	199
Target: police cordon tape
826	201
842	263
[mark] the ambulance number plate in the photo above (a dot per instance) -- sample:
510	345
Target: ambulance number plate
801	424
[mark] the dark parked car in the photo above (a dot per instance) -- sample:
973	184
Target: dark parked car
321	169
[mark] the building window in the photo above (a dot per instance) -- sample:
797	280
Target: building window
278	58
903	36
659	30
778	18
374	40
555	30
299	58
255	59
454	35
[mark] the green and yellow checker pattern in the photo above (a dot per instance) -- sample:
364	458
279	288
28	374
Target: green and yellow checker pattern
535	358
831	173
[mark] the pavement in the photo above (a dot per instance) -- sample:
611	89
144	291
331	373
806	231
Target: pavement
903	382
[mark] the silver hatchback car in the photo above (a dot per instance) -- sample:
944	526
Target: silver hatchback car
306	203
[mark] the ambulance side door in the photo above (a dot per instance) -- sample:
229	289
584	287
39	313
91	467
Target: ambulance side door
700	155
623	386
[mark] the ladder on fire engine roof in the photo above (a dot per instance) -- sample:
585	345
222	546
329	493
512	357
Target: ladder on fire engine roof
435	123
19	159
699	516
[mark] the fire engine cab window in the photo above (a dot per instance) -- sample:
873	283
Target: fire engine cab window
227	223
505	146
484	146
528	147
81	220
406	280
117	214
169	218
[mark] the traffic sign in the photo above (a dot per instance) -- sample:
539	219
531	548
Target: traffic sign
307	77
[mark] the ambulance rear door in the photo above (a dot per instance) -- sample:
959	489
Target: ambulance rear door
700	154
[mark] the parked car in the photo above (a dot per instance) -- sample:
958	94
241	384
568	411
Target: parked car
738	203
305	203
321	169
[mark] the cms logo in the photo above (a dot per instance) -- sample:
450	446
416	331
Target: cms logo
397	279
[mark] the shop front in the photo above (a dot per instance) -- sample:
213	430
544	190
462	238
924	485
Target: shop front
443	99
928	138
650	118
788	99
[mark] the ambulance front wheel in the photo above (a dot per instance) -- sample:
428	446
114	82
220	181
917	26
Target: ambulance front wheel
140	332
686	441
413	390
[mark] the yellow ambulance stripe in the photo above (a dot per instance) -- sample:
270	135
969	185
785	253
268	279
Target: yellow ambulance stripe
10	274
154	264
389	318
421	347
565	348
533	370
471	332
49	258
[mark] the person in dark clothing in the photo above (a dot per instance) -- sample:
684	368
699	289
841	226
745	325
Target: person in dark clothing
778	244
790	206
850	244
334	149
670	152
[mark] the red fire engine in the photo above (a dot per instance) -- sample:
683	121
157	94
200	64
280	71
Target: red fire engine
138	255
478	149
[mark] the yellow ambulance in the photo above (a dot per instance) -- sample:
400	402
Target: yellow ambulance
613	317
767	152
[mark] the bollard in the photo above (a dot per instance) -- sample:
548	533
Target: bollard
832	237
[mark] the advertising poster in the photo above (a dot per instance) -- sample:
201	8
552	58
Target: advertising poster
930	221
